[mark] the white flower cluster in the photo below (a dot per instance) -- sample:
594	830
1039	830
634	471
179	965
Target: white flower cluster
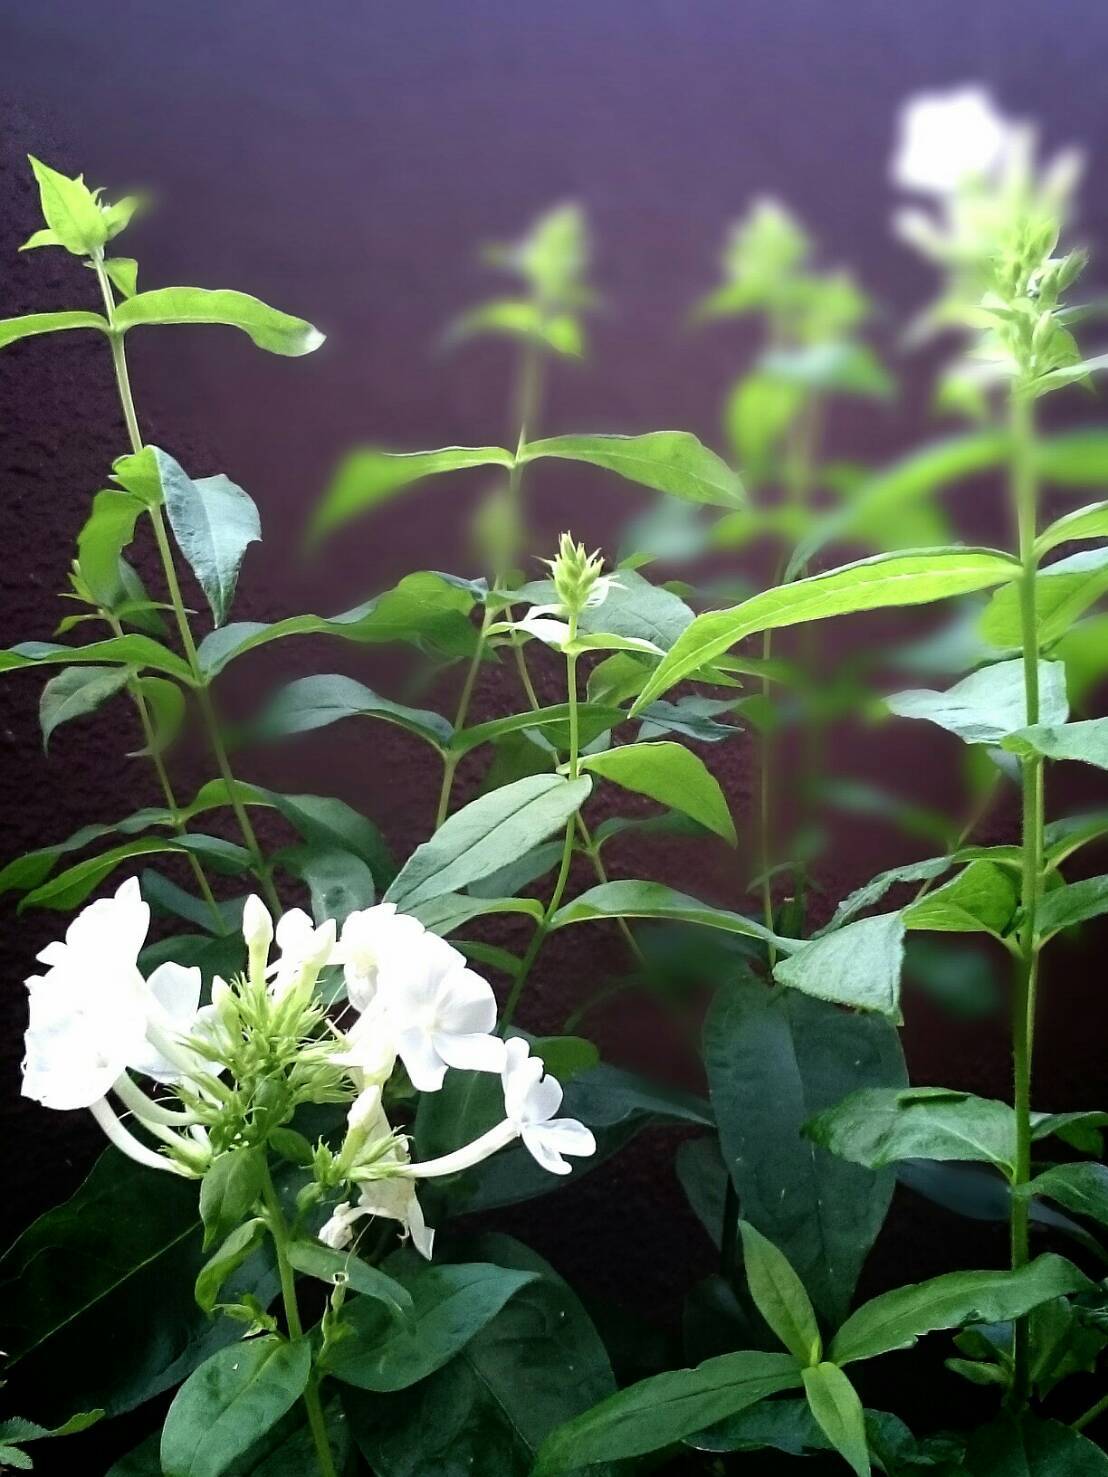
94	1019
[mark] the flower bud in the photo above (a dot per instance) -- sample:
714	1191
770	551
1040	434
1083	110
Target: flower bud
577	578
257	930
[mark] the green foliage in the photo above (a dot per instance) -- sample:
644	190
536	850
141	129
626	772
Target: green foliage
673	776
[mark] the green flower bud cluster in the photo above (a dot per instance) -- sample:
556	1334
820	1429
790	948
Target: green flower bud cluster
578	578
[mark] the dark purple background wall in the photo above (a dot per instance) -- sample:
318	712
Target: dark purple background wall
343	161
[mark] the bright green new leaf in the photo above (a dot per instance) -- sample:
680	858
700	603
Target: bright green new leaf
485	835
669	461
657	1412
75	692
135	650
267	327
367	477
981	898
779	1296
857	965
70	210
165	703
345	1268
315	702
876	1126
843	368
989	704
1082	1188
229	1191
122	272
13	329
521	318
226	1405
1086	740
1083	523
213	521
108	530
759	410
1063	591
242	1242
633	899
834	1402
881	581
672	775
896	1319
1074	903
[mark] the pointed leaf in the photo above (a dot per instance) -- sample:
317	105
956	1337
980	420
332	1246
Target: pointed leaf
70	210
1083	523
834	1402
673	776
1082	1188
108	530
267	327
70	888
1063	591
1074	903
1033	1448
632	899
315	702
981	898
669	461
988	705
135	650
344	1268
779	1296
877	1126
213	521
13	329
76	692
1086	740
367	477
857	965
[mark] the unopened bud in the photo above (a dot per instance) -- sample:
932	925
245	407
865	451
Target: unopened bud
257	930
577	576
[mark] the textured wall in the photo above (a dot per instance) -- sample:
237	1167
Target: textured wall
341	160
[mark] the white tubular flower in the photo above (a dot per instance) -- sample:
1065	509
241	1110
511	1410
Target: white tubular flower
368	1050
257	930
440	1014
303	948
110	930
396	1200
175	1011
530	1102
338	1232
371	938
948	138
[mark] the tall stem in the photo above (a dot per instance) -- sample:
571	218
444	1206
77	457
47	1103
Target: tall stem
161	537
1024	499
278	1229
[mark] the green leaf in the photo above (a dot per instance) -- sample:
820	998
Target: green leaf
857	965
367	477
669	461
553	723
340	883
1063	591
877	1126
1083	523
70	888
779	1296
134	650
70	210
843	368
981	898
129	1241
122	272
774	1058
896	1319
76	692
424	610
229	1191
450	1305
537	1364
1033	1448
881	581
634	608
213	521
657	1412
241	1244
450	911
485	835
1082	1188
345	1269
13	329
521	318
1086	740
1076	459
1074	903
108	530
988	705
692	717
231	1401
673	776
834	1402
758	412
266	326
166	704
633	899
315	702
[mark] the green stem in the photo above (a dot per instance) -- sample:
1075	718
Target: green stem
765	816
278	1229
161	537
1091	1414
1025	499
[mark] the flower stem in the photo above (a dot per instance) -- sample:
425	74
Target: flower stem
161	537
278	1229
1091	1414
1024	500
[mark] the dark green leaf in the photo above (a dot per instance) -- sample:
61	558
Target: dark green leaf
1074	903
76	692
1086	741
1033	1448
229	1191
71	887
213	521
136	651
877	1126
1082	1188
988	705
344	1268
315	702
632	899
340	883
241	1244
981	898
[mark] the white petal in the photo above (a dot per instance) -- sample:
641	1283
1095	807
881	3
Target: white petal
545	1155
542	1101
476	1052
568	1136
177	991
423	1237
421	1061
466	1004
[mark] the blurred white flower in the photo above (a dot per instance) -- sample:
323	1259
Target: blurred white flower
371	938
948	138
530	1102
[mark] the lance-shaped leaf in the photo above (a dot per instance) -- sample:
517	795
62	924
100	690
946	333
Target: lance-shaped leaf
30	324
669	461
76	692
1083	523
1074	903
989	704
1063	591
129	1241
896	1319
633	899
982	898
1086	741
450	1306
315	702
70	209
1082	1188
71	887
775	1058
672	775
213	521
452	910
877	1126
425	610
241	1244
230	1402
521	318
339	882
834	1402
779	1296
269	328
486	834
369	476
658	1412
344	1268
108	530
883	581
553	723
134	650
1031	1447
858	965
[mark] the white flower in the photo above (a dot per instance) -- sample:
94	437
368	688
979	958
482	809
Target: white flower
303	948
112	928
439	1014
395	1199
338	1232
530	1102
948	138
173	1006
257	925
370	938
